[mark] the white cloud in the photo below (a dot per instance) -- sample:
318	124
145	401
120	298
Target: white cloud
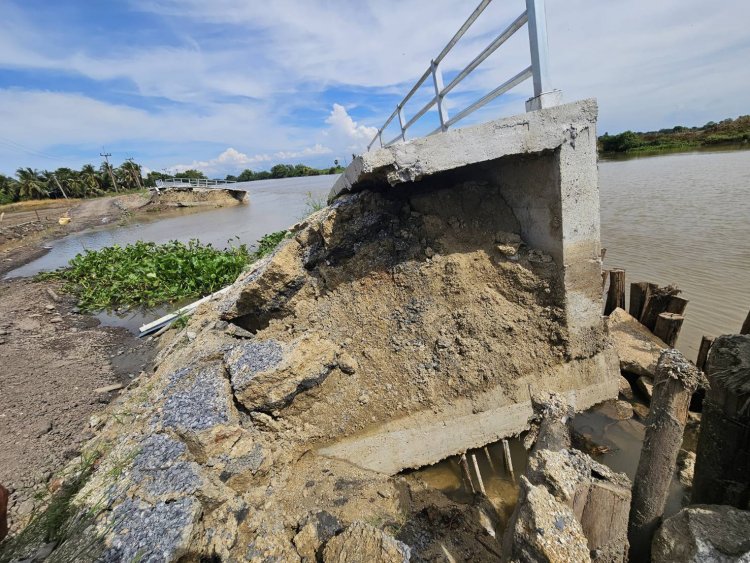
232	161
346	133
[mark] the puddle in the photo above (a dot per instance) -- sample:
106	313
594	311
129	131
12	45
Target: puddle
614	443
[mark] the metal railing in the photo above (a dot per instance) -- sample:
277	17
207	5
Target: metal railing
190	183
544	96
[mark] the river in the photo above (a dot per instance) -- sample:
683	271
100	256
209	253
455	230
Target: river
680	218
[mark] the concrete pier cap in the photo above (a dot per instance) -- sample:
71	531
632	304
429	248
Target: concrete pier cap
544	163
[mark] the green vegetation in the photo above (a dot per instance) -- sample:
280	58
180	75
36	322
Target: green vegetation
148	274
84	183
285	171
268	244
59	522
727	132
313	203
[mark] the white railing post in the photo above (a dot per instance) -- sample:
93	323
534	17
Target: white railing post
437	80
544	94
401	121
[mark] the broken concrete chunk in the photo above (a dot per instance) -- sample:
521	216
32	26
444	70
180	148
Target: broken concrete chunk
625	390
637	347
703	533
197	399
266	375
347	363
646	387
315	529
543	530
362	543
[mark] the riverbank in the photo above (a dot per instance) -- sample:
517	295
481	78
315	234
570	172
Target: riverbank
27	227
59	369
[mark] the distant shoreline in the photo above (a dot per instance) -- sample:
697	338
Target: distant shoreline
664	151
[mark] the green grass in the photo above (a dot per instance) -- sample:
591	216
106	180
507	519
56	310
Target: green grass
146	274
268	244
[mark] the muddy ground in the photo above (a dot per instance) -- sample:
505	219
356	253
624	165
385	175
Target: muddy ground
52	359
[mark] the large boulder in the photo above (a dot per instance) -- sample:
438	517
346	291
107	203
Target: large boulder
703	532
362	543
637	347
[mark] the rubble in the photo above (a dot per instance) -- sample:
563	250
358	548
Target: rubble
637	347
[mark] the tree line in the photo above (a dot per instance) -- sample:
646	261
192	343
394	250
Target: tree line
284	171
726	132
89	181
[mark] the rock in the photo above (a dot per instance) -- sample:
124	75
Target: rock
347	364
49	307
26	507
268	375
625	390
686	467
636	346
429	252
362	543
4	494
618	410
56	320
543	530
645	386
191	335
640	410
315	530
109	388
703	533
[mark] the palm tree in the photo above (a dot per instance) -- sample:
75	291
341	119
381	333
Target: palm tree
30	185
90	180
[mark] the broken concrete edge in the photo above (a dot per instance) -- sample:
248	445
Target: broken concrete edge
533	132
425	438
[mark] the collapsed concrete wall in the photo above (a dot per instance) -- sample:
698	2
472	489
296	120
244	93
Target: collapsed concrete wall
408	321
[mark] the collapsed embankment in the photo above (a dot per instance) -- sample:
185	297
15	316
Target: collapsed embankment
389	330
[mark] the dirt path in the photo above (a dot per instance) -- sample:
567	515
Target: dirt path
52	360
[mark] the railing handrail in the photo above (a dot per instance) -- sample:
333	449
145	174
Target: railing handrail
192	182
544	96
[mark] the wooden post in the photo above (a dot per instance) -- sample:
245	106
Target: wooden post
746	325
479	475
656	304
508	461
674	383
722	465
677	305
616	293
668	327
639	292
706	343
465	467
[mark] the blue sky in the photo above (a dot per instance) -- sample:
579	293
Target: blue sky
232	84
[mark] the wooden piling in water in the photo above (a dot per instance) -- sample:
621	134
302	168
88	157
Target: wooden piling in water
467	475
668	326
657	302
508	461
616	292
722	465
674	383
706	343
639	292
479	475
677	305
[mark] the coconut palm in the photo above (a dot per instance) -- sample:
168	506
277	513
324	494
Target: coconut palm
30	184
90	180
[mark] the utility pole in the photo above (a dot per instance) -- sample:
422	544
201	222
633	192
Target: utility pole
106	156
136	173
60	186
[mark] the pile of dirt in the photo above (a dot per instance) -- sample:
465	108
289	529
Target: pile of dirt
380	306
195	197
